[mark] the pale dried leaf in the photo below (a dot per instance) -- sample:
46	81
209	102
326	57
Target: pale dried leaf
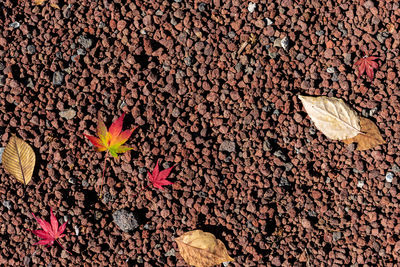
332	116
369	138
19	159
202	249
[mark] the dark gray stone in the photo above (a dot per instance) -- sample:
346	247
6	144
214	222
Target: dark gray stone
125	220
58	78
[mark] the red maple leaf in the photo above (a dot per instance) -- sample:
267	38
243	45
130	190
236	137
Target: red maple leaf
367	64
50	231
113	139
159	178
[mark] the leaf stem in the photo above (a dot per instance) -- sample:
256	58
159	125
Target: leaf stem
141	190
62	247
102	176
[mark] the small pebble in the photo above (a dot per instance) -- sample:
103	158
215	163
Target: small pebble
301	57
31	49
85	41
231	34
173	21
66	218
1	153
395	168
320	33
176	112
330	70
373	111
73	57
238	67
251	7
14	25
335	77
81	52
389	177
284	182
166	66
68	114
228	146
188	61
360	184
170	253
285	43
7	204
269	21
58	78
76	228
123	104
202	7
336	236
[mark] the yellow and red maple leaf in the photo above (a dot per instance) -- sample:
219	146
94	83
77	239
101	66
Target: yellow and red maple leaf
113	139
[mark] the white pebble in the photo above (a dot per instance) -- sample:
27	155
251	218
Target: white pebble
360	184
389	177
251	7
76	228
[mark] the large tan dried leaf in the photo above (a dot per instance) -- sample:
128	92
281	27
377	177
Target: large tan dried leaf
19	159
332	116
369	138
202	249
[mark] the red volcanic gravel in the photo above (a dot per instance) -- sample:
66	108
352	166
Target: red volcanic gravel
213	87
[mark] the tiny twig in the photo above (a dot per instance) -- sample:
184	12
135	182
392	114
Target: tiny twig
102	177
308	258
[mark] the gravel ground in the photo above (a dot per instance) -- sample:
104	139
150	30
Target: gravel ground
213	88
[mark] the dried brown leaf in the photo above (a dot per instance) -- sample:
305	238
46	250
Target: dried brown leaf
19	159
202	249
369	138
38	2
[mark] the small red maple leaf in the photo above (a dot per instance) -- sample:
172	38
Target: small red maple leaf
159	178
113	139
367	64
50	231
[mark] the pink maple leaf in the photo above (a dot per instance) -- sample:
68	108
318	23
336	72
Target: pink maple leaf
50	231
159	178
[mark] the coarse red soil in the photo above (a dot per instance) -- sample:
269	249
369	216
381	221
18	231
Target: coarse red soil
213	92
